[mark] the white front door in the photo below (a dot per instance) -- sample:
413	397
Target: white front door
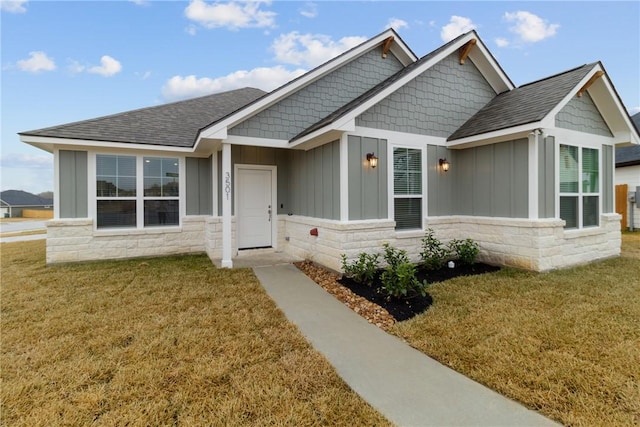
254	208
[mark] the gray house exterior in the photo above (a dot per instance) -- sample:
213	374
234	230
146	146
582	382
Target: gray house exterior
531	173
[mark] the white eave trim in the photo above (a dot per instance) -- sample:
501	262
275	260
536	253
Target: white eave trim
47	144
515	132
215	130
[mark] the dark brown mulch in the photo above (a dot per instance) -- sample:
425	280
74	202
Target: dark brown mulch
406	308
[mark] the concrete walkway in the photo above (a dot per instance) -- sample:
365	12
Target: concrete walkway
407	387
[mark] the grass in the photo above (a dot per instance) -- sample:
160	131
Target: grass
565	343
162	341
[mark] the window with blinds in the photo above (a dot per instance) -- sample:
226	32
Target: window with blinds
579	171
407	188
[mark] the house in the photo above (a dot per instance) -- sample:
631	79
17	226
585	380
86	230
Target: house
374	146
13	203
628	173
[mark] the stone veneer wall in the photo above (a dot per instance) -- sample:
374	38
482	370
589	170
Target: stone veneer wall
73	240
539	245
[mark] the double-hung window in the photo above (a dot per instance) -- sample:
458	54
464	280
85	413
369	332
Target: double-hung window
407	188
579	186
136	191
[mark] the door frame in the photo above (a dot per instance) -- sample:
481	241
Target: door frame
274	199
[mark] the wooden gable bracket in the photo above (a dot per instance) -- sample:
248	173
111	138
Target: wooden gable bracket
591	81
386	45
464	50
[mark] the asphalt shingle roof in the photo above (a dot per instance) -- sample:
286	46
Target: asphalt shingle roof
22	198
526	104
176	124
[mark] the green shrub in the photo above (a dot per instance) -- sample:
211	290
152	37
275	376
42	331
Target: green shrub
466	250
399	277
434	254
362	270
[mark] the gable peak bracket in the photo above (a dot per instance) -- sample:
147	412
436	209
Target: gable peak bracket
591	81
464	50
386	45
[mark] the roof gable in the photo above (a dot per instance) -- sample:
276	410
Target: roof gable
218	129
488	67
529	103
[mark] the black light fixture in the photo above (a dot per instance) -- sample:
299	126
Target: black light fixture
444	164
372	159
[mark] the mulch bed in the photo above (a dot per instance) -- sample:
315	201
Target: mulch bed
372	304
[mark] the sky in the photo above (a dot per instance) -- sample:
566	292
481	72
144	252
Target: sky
64	61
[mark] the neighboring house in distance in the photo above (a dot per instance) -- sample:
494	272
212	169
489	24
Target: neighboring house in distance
14	202
628	172
530	169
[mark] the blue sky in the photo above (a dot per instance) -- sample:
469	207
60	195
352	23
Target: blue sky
64	61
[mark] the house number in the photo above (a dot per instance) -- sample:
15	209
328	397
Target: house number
227	184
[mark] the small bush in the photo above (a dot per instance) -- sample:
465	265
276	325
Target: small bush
466	250
362	270
399	277
434	253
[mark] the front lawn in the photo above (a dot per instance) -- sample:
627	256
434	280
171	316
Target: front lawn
566	343
164	341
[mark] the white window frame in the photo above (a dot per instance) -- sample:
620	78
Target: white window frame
139	198
391	186
580	194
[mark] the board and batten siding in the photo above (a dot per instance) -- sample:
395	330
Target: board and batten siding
265	156
546	177
367	186
436	103
72	173
582	115
440	184
198	186
492	180
314	102
314	182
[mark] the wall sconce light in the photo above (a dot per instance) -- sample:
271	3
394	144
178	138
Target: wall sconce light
372	159
444	165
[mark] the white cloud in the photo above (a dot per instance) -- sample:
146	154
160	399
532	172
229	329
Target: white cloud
26	161
13	6
75	67
143	76
107	68
396	24
267	79
529	27
501	42
191	30
141	2
233	15
38	61
310	49
634	110
310	10
457	25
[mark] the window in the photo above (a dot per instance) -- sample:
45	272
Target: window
121	203
579	186
407	188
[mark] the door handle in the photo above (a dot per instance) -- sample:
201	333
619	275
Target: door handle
269	212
